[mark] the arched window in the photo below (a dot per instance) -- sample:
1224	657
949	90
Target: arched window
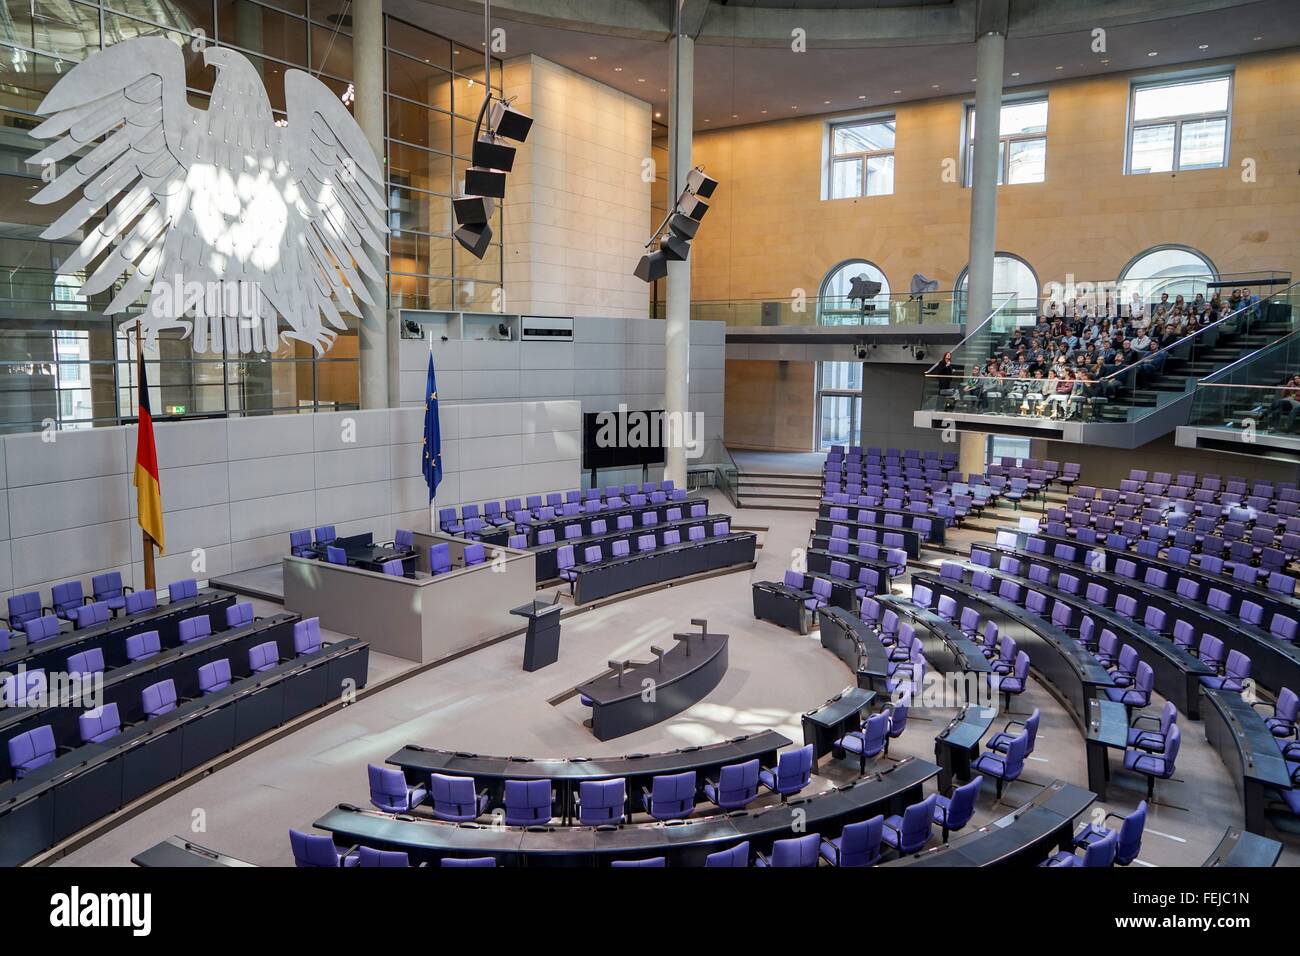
1177	270
833	305
1012	276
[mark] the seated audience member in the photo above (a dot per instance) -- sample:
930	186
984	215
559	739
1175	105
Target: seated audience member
1282	411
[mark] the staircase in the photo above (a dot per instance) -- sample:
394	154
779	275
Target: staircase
778	491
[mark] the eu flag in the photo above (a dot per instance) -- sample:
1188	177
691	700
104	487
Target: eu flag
432	434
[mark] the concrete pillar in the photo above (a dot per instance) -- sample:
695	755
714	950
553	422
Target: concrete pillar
677	324
368	108
983	207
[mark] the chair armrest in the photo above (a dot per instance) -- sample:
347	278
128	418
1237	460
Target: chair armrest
87	600
1013	723
1140	717
1113	816
127	589
1257	703
711	783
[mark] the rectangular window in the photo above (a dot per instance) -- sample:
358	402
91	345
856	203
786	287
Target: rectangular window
1022	142
839	403
1178	125
862	158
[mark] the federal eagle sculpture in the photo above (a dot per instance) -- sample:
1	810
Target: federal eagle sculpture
291	215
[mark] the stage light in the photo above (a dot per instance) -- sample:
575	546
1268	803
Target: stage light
693	206
475	237
472	210
485	182
700	184
674	248
652	266
509	122
683	227
493	155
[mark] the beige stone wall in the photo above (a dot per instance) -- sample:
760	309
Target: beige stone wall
769	232
769	405
576	204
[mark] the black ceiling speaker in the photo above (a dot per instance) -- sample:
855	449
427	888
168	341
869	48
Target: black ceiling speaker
691	207
699	183
475	238
485	182
472	210
674	248
491	155
651	267
509	122
683	227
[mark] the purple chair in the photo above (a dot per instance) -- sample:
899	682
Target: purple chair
141	646
214	676
792	772
910	832
42	629
306	636
239	615
792	852
474	554
393	568
194	628
1155	766
736	856
66	599
88	615
87	663
263	657
736	786
821	594
24	608
1152	739
186	588
101	724
300	543
1004	767
1128	837
857	845
1285	714
141	601
1099	853
454	799
367	857
953	813
32	749
390	792
439	558
601	801
528	803
470	861
158	699
870	741
315	850
671	796
1237	672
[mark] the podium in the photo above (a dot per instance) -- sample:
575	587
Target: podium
542	643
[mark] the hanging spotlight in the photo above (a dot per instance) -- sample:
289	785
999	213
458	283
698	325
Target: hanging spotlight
674	235
485	180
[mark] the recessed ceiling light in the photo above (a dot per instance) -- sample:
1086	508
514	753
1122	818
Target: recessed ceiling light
764	112
1015	74
591	58
1060	68
1257	38
863	96
826	102
618	69
934	86
706	121
640	79
1154	53
898	91
1203	46
663	89
1104	62
657	115
735	116
794	107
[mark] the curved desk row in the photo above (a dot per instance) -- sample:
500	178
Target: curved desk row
682	843
783	605
501	535
176	851
76	789
1242	848
596	581
680	677
1275	663
1056	656
1248	749
1177	672
547	555
1271	600
565	774
1025	837
849	638
912	541
873	515
111	636
819	563
123	685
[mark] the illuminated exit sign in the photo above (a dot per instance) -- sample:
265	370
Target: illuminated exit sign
175	409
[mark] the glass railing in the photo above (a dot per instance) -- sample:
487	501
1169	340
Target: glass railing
1107	388
933	308
1259	393
728	477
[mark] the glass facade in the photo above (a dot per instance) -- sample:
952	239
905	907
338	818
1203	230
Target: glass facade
63	364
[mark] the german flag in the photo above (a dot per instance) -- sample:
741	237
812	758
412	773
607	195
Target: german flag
148	492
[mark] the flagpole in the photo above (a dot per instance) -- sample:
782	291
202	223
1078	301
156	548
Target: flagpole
149	581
